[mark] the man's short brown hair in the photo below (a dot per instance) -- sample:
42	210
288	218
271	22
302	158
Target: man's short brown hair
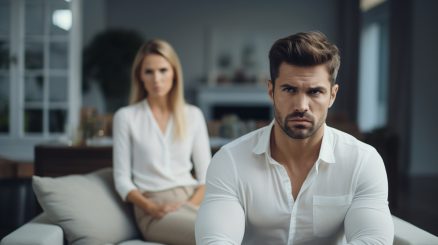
305	49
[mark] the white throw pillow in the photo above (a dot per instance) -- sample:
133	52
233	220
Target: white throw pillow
87	207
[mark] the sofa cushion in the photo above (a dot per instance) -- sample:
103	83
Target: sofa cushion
86	207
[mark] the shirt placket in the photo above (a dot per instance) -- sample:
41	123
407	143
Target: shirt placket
291	203
295	203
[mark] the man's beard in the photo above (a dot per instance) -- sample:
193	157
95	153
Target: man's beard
297	131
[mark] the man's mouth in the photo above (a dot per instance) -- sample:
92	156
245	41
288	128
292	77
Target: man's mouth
299	120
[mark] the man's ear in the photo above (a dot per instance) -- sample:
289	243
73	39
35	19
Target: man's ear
271	90
333	93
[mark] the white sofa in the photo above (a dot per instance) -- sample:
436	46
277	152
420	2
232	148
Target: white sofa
40	231
94	214
78	209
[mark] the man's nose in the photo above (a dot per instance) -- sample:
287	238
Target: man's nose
301	103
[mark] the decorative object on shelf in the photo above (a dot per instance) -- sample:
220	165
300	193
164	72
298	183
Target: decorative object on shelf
237	57
94	129
87	123
231	126
224	63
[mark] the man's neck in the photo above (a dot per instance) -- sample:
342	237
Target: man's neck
296	152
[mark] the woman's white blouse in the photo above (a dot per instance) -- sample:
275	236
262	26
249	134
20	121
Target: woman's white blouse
148	160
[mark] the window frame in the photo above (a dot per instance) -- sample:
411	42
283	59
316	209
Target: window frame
17	144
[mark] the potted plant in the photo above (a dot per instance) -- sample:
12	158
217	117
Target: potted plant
107	61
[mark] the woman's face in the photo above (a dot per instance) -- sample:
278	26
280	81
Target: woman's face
157	75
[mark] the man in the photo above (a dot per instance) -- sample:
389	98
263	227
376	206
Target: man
297	181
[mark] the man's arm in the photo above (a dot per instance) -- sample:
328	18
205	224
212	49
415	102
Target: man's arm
369	221
221	218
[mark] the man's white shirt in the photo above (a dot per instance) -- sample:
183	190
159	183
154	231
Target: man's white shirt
249	195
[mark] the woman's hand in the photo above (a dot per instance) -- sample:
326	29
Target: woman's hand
154	209
158	211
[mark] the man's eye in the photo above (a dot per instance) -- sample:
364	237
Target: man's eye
289	90
315	91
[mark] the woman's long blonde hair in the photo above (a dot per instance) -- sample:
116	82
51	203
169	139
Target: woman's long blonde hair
176	93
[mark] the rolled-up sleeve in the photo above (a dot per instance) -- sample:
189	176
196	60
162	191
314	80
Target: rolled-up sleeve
122	154
221	218
369	221
201	153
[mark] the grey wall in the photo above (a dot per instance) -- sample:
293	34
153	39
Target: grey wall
190	25
93	19
424	134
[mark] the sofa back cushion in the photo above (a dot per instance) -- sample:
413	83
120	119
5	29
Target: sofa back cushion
87	207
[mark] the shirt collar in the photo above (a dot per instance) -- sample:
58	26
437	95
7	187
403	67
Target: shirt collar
326	152
262	145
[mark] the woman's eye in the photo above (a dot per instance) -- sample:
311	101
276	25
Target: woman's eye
163	70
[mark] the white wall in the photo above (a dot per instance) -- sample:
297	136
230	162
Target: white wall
424	134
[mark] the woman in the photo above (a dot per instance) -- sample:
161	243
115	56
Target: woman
155	138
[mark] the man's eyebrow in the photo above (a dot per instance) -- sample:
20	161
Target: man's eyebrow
318	88
287	85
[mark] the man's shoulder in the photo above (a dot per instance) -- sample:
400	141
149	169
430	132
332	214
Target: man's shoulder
238	157
351	153
245	142
345	141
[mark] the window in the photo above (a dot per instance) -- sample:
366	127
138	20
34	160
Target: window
5	75
373	68
39	71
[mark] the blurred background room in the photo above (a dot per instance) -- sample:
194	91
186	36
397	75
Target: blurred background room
65	69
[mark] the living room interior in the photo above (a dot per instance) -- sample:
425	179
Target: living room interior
64	71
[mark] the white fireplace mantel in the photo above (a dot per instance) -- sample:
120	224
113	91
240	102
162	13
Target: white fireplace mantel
230	95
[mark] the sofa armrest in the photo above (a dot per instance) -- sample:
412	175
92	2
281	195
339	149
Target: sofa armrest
407	233
37	231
